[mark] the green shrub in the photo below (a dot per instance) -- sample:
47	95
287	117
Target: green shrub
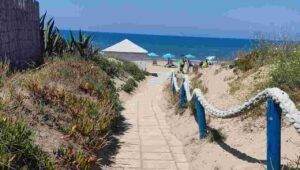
285	74
129	86
286	71
264	53
284	59
134	70
112	68
17	150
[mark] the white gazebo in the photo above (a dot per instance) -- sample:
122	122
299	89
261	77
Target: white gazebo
128	50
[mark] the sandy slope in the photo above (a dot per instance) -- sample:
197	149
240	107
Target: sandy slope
245	144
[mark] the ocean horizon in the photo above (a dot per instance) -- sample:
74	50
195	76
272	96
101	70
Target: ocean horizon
222	48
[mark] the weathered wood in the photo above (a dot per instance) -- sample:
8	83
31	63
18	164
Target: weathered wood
20	40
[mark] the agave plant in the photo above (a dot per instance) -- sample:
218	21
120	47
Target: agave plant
83	45
53	42
60	44
42	23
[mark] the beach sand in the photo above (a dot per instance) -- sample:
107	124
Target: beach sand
245	144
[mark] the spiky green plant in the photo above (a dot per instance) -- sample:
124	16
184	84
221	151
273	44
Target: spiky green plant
83	45
53	42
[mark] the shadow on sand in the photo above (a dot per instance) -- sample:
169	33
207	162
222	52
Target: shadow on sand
111	149
240	155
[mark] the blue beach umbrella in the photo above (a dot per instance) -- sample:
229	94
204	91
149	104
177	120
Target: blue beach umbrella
189	56
152	55
168	56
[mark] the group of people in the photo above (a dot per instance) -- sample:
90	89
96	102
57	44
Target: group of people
186	64
183	62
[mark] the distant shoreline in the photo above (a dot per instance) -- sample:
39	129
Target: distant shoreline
166	35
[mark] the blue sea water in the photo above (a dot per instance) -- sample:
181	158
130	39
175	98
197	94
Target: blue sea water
222	48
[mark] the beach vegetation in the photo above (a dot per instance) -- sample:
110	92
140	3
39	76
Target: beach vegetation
71	98
283	59
83	45
53	43
263	53
196	82
173	98
293	164
17	147
111	66
61	114
133	70
129	86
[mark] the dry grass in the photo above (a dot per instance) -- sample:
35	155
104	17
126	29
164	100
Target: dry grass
293	164
282	58
74	98
196	82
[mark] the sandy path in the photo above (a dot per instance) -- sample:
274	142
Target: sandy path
148	142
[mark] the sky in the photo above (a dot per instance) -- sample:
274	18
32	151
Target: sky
212	18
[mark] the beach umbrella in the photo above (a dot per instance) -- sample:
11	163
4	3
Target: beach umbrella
210	58
189	56
168	56
152	55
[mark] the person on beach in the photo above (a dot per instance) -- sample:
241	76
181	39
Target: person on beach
179	64
205	64
190	64
182	63
201	64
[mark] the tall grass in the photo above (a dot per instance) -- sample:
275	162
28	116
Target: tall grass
284	59
285	73
133	70
129	86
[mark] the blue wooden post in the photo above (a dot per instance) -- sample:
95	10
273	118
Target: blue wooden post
182	96
200	118
273	135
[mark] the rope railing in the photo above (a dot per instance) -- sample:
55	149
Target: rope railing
278	102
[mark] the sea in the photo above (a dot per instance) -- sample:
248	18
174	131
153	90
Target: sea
201	47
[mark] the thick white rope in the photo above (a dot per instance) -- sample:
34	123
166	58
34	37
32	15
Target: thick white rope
287	106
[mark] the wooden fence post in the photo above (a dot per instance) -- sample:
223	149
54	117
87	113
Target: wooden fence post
200	118
273	135
182	96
